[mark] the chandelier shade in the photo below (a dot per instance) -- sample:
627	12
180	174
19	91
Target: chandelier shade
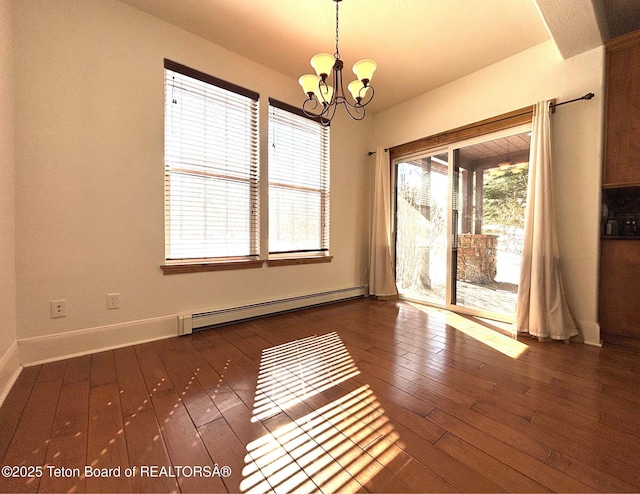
309	83
364	70
322	98
357	90
322	63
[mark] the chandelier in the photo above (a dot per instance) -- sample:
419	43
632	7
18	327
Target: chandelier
323	99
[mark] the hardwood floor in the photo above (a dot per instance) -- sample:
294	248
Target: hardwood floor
357	396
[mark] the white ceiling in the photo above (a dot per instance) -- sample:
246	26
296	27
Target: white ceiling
418	44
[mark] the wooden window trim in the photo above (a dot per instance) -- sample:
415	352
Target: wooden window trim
293	261
200	267
487	126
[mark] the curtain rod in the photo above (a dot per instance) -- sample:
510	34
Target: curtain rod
586	96
553	105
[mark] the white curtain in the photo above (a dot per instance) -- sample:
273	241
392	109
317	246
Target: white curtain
381	277
542	309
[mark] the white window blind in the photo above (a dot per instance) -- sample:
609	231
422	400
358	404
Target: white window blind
211	167
298	182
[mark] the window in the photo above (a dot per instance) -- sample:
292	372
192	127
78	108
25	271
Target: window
298	182
211	167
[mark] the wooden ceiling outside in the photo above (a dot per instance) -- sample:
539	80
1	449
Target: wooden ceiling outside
499	148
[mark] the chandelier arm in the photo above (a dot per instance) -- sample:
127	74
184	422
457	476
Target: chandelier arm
310	111
344	101
367	100
356	112
323	88
328	113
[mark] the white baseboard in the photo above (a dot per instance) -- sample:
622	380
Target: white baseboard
49	348
9	370
590	332
42	349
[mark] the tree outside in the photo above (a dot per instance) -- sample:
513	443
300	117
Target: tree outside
503	207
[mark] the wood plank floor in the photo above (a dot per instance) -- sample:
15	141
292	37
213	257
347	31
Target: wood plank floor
356	396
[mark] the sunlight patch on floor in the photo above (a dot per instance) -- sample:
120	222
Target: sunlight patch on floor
337	448
507	345
295	371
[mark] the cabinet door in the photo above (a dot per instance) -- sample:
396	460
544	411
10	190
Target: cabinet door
622	151
619	292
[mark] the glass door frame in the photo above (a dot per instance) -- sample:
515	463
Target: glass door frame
437	151
450	149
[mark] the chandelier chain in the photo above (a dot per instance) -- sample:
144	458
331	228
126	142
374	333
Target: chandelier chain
337	53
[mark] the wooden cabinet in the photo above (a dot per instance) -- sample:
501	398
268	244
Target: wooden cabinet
619	290
619	305
622	126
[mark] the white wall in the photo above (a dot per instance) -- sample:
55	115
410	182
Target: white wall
9	361
86	172
535	74
89	176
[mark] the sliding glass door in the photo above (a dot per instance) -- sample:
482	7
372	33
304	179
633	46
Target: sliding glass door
459	224
422	185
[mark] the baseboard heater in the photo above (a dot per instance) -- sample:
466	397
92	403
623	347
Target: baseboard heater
188	322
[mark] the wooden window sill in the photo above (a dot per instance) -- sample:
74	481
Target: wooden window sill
292	261
190	267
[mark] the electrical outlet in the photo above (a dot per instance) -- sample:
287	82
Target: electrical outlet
58	308
113	300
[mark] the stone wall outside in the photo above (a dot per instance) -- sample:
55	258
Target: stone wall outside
477	258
